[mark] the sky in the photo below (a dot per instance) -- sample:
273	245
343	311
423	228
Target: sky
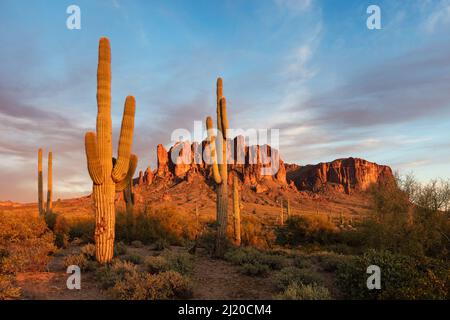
310	68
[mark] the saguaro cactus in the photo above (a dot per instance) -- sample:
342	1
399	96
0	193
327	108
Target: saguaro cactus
50	183
40	184
281	213
108	178
219	165
288	208
236	212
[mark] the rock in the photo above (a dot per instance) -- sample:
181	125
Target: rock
261	188
148	176
163	161
180	159
342	175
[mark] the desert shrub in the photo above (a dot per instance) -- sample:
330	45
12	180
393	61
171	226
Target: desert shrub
249	255
402	277
108	275
398	226
156	264
79	260
120	249
329	261
302	262
180	262
307	229
7	288
133	258
69	227
50	219
207	241
296	291
129	287
25	242
169	285
254	269
289	275
162	244
148	226
88	251
137	244
254	233
125	282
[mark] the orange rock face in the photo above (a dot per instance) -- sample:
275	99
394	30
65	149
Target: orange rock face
251	164
163	161
343	175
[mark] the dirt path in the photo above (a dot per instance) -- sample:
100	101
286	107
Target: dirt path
212	279
217	279
51	285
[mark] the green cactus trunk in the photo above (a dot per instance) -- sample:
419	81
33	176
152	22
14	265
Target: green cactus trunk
236	212
108	178
220	169
50	183
281	213
288	208
40	184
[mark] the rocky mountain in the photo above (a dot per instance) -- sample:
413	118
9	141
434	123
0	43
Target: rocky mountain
258	167
342	175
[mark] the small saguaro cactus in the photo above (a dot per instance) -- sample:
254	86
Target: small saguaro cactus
40	184
288	208
218	149
236	212
108	178
281	213
50	183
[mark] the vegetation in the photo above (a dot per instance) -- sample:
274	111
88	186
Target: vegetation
296	291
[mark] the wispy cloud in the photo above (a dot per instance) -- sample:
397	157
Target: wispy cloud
439	16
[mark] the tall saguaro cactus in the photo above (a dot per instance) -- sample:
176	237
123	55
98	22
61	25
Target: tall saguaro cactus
218	149
108	178
281	212
40	184
236	212
50	183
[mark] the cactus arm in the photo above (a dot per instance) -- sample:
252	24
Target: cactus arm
121	185
222	143
93	161
104	122
212	146
125	141
219	95
224	117
40	184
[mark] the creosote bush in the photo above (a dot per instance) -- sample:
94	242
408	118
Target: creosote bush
8	290
254	261
180	262
25	243
290	275
124	281
148	226
306	230
403	277
299	291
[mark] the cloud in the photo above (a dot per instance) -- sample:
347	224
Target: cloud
439	17
295	6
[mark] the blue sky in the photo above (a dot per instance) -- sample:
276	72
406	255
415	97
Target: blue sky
310	68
